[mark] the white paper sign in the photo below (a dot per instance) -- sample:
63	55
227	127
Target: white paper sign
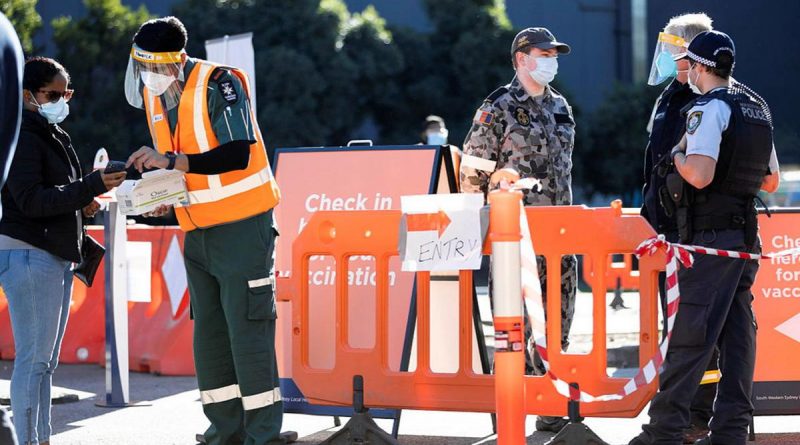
139	254
441	232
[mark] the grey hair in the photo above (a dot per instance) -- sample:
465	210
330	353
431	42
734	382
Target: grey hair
688	26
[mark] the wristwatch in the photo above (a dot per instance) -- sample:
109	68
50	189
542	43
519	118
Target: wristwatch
171	157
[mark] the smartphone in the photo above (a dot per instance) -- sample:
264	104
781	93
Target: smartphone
114	167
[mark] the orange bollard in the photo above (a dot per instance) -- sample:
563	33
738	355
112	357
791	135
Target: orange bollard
509	357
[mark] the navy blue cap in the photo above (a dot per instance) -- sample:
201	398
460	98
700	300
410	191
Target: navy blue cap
712	48
540	38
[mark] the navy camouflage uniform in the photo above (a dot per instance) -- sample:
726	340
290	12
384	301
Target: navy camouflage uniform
534	136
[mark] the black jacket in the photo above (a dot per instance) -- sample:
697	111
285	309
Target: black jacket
668	128
41	200
11	63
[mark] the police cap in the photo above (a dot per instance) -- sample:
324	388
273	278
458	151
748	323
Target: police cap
714	49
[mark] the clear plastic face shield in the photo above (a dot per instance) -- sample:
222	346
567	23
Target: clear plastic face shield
669	48
160	73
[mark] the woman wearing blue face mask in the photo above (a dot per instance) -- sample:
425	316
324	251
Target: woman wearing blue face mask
44	201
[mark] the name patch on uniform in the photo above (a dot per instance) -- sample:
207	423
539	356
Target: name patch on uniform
483	117
693	121
522	116
158	118
563	119
228	91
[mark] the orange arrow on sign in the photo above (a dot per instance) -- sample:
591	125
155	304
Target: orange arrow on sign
423	222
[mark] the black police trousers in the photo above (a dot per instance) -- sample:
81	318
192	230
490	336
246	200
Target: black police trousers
703	401
715	310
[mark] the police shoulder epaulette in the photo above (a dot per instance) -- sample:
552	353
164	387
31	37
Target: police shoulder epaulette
219	72
496	94
704	100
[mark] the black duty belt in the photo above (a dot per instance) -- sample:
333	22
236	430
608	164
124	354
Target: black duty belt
718	222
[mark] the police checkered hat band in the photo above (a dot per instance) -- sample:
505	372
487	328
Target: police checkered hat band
712	48
702	60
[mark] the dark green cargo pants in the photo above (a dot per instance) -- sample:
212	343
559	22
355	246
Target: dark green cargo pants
229	268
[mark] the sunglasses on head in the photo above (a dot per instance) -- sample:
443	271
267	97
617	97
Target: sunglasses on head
54	96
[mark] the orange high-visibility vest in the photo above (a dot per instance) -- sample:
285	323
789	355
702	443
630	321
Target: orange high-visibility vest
213	199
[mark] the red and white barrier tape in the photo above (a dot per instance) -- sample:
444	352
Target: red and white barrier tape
676	254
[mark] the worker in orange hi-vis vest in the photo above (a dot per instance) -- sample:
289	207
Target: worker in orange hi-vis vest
202	123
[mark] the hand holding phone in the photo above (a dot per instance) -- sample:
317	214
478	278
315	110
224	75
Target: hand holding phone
113	174
114	167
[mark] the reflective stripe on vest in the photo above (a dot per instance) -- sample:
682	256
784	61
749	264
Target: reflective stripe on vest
214	194
213	199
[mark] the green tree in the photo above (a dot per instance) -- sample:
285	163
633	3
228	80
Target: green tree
317	65
450	70
95	51
22	14
612	157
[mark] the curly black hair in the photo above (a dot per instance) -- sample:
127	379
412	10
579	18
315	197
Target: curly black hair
166	34
40	71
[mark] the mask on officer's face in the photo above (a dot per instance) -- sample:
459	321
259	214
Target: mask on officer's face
157	83
693	84
665	67
545	71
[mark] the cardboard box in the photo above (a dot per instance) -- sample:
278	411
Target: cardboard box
156	188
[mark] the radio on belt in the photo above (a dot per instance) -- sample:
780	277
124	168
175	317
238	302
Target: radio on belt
156	188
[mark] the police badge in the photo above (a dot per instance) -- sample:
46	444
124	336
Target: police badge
693	121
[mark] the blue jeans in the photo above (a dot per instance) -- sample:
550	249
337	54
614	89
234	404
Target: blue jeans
38	286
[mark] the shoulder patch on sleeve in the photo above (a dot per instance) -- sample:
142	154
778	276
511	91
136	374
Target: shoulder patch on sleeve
693	121
483	117
228	91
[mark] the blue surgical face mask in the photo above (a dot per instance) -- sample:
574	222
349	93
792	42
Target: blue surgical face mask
665	66
54	112
437	138
545	71
693	83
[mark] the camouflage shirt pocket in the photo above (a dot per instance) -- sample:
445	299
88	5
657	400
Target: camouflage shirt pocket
565	130
526	150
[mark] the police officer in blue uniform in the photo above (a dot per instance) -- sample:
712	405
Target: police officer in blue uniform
722	162
666	127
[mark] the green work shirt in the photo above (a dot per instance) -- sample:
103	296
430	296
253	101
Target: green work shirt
228	106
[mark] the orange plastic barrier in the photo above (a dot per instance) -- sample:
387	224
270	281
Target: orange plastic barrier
619	274
158	342
84	339
6	337
556	231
